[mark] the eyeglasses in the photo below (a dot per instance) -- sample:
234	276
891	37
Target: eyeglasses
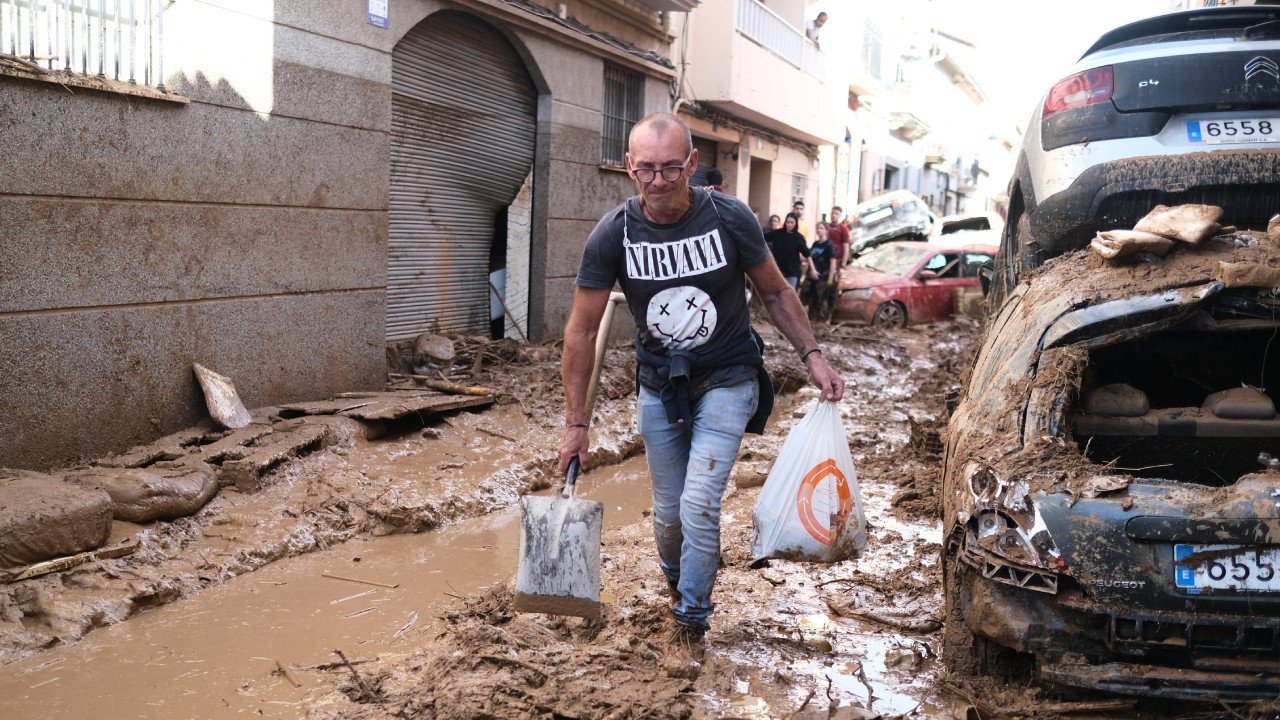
670	173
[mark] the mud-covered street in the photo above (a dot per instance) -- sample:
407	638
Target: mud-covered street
243	607
372	578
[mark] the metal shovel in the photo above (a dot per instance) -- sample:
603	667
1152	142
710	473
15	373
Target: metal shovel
559	571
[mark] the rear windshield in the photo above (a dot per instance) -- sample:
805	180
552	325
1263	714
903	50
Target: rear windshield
1202	24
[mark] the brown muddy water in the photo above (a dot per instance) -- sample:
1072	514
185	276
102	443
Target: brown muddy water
215	655
219	654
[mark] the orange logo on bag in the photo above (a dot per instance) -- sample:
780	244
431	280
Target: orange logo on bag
804	501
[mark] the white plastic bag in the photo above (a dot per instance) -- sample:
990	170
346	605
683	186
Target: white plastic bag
811	507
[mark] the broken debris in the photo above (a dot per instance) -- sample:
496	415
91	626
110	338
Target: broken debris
246	472
161	492
1156	233
1191	224
42	517
220	395
1116	244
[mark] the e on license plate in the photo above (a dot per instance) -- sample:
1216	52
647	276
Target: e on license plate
1227	567
1226	132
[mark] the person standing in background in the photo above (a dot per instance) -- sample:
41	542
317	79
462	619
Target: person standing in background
790	250
797	209
820	288
715	179
839	234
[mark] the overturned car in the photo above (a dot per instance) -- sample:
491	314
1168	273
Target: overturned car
1111	487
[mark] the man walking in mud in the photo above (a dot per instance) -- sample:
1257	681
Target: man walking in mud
679	255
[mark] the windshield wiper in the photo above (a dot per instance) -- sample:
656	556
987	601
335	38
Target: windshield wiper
1266	29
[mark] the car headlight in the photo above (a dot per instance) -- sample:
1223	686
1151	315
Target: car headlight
1009	523
859	293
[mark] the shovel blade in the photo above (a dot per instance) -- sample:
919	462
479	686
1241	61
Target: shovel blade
559	571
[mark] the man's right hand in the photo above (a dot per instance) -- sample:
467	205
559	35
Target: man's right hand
574	442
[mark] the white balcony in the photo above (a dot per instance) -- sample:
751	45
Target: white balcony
751	63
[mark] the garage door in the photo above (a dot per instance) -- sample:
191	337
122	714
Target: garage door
463	123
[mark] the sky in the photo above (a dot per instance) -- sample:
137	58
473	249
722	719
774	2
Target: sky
1024	46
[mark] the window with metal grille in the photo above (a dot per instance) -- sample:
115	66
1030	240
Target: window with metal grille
118	40
623	103
798	183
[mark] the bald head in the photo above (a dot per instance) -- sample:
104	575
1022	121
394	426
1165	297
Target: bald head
661	123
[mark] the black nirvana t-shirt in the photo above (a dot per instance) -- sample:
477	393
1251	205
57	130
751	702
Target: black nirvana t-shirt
684	282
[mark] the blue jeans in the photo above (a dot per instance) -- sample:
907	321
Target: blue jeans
689	469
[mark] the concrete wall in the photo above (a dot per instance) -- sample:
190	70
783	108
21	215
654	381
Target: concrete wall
243	231
247	230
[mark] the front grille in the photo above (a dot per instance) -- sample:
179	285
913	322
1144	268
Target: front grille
1256	639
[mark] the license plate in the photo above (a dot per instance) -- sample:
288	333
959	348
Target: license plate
1228	132
1227	567
875	215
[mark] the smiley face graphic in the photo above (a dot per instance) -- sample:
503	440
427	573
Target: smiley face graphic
681	317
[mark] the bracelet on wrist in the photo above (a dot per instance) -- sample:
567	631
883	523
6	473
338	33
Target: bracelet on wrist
805	355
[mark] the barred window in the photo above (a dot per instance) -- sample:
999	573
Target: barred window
623	103
798	183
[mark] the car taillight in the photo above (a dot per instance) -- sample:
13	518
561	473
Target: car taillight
1085	88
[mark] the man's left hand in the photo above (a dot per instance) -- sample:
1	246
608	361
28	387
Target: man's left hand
824	377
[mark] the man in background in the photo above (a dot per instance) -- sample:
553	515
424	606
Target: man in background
814	27
715	179
838	233
802	227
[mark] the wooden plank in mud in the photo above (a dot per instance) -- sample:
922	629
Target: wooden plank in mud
321	407
397	405
169	447
246	472
233	445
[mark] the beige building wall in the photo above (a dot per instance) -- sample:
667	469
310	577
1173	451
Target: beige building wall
246	230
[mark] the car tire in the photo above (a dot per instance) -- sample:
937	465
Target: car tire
890	315
964	652
1019	254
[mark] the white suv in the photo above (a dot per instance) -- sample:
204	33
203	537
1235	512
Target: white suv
1179	108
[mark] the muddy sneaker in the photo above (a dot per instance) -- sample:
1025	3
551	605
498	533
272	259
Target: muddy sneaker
684	653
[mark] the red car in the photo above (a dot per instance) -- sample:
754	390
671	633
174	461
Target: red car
909	282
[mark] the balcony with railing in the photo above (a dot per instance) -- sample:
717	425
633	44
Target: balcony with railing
761	25
85	42
753	63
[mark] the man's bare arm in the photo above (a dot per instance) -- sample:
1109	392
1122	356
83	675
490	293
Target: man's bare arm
576	361
789	317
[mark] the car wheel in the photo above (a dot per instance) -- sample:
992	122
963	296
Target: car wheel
963	651
890	315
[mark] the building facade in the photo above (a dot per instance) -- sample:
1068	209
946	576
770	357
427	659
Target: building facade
276	190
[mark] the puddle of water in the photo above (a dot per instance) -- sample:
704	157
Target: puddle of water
214	655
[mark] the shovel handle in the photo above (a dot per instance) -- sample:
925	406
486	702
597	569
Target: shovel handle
571	477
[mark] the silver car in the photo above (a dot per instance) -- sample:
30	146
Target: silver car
1175	109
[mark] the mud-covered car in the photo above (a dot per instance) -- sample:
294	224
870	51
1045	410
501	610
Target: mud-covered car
1175	109
901	283
1110	491
895	215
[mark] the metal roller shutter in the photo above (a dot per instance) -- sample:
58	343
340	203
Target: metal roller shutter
463	124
